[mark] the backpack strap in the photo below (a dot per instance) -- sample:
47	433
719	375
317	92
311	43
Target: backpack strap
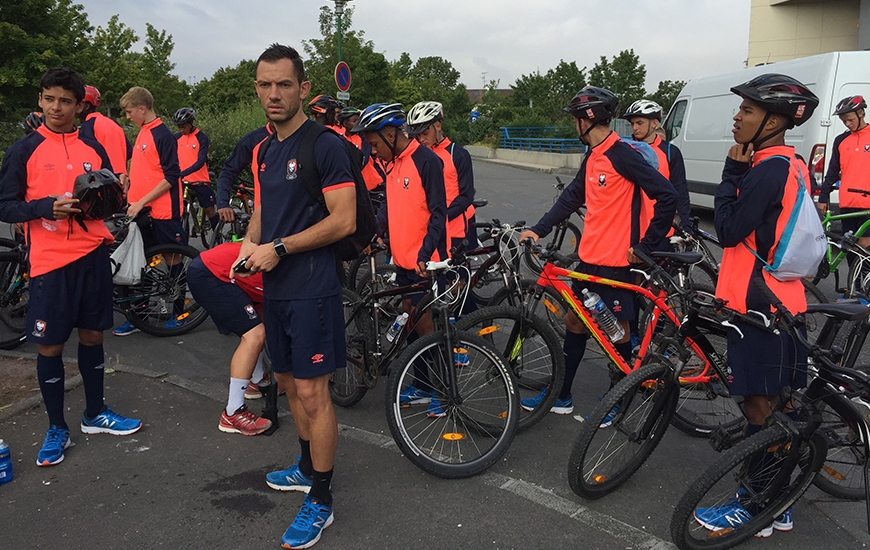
800	184
308	164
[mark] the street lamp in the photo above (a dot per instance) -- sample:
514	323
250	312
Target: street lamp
339	11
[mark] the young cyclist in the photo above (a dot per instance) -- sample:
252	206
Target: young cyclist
235	306
324	109
106	131
610	182
289	239
154	180
347	118
752	205
193	146
70	272
414	215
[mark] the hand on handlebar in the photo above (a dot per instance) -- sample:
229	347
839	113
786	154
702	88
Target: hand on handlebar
529	234
226	215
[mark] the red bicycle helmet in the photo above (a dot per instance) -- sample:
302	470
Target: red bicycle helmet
850	104
92	95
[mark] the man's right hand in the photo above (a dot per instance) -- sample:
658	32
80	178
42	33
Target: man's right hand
823	208
226	215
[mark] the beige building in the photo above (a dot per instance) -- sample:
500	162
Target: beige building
788	29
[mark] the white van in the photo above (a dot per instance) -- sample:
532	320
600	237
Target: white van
699	123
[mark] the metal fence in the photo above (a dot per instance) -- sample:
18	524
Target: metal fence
551	139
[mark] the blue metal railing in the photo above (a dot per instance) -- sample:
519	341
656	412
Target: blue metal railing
544	139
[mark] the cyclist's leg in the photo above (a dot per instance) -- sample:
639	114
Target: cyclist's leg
853	225
205	196
171	232
423	326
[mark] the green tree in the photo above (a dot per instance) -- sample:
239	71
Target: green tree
370	69
36	35
110	60
227	88
155	69
624	76
667	93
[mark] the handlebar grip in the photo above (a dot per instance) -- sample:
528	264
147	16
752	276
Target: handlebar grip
644	258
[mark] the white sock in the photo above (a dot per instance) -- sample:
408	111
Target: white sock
257	377
237	394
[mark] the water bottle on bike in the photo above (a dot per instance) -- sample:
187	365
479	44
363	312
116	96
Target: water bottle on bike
396	328
603	316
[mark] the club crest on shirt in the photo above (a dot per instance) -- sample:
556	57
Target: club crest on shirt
252	313
86	166
601	180
143	147
39	328
194	146
406	182
866	148
291	169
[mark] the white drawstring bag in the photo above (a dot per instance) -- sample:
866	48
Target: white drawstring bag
129	258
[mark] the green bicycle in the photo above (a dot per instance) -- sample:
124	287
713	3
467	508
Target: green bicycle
831	261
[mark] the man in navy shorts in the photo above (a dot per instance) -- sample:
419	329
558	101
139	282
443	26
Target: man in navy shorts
71	277
289	239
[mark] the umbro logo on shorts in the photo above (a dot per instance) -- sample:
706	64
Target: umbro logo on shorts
317	358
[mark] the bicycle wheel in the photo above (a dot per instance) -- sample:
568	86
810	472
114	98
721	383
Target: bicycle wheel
555	306
741	479
491	282
206	231
565	240
814	322
467	435
530	348
385	278
161	304
842	474
702	275
347	386
603	458
14	296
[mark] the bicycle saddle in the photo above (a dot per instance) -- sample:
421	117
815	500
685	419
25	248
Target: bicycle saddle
682	257
847	310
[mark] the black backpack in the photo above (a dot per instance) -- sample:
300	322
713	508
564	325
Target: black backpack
349	247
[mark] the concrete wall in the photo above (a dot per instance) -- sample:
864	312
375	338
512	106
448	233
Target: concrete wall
553	160
787	29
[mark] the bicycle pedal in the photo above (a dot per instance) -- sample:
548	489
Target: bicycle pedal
723	438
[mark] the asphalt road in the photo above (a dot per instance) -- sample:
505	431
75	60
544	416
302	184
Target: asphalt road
210	485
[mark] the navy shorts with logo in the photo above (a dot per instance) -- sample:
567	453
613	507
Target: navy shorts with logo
762	363
306	337
406	277
77	295
620	301
227	304
163	232
853	224
204	194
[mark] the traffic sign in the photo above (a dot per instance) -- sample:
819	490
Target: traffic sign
342	76
343	96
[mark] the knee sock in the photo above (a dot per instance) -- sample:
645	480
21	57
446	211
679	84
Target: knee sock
91	367
236	397
258	373
320	490
574	348
49	370
305	459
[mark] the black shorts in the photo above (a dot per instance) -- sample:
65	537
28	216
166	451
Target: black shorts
853	224
77	295
306	337
620	301
405	277
204	194
163	232
762	363
228	306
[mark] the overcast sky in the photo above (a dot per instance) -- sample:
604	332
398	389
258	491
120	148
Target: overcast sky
505	39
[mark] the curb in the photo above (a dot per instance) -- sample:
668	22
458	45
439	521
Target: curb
529	167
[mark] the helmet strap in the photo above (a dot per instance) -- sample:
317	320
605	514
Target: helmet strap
756	141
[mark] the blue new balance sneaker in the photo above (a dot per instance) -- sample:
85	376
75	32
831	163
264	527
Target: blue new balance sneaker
291	479
611	416
532	403
110	422
173	323
125	329
563	406
414	396
56	441
309	524
732	514
435	409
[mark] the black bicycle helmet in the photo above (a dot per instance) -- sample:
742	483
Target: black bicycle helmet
348	112
850	104
322	104
595	104
99	193
185	115
33	121
780	94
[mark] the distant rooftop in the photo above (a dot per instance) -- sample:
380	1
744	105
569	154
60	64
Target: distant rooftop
476	95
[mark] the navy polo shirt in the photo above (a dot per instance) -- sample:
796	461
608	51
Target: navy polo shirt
287	208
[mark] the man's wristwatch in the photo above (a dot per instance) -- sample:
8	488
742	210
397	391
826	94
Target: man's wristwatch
280	248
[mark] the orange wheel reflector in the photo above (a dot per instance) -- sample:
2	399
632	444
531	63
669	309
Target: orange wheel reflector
599	479
833	473
502	414
155	261
183	316
453	436
488	330
719	533
553	307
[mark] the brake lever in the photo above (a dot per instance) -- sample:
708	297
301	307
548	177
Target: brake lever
729	324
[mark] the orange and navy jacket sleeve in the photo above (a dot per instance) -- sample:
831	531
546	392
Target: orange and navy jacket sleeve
167	150
677	175
741	202
571	199
833	174
13	184
201	157
631	165
431	172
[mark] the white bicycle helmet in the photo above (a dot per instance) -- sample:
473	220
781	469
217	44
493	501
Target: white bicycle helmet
422	115
644	108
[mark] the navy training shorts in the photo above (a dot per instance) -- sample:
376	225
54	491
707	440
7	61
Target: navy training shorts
204	194
163	232
229	307
762	363
306	337
77	295
620	301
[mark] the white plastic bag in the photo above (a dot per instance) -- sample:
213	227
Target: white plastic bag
129	258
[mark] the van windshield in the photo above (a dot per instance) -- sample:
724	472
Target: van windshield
674	123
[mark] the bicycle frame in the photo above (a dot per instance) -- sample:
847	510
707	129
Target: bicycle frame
835	260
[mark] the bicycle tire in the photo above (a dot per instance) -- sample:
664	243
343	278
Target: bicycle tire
555	306
14	297
597	465
476	430
842	474
532	350
813	322
347	386
391	307
727	479
703	274
491	281
568	246
152	303
823	271
206	231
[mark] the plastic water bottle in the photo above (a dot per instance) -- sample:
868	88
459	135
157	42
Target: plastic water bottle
603	316
54	225
5	463
396	328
